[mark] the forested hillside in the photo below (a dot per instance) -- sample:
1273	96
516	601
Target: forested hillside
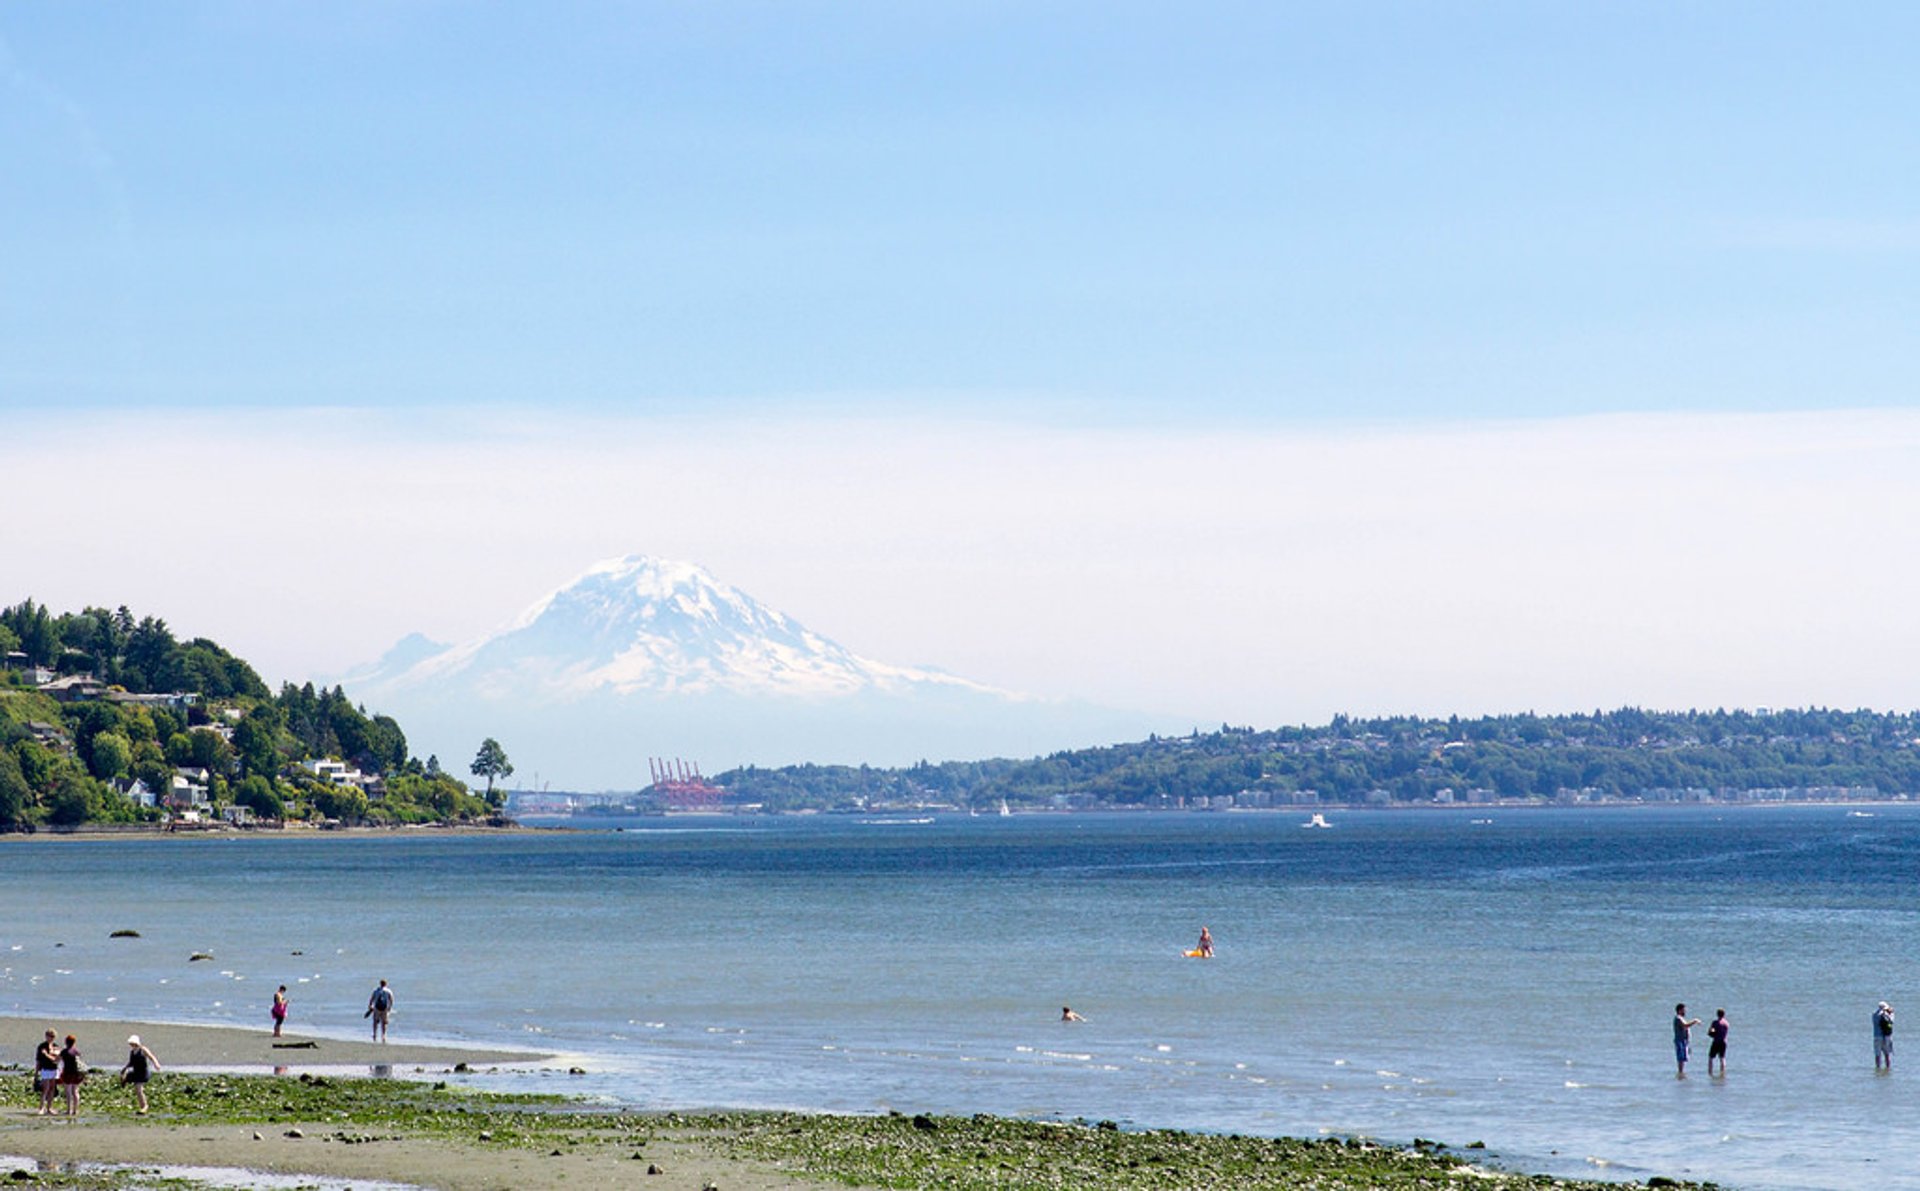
109	718
1624	754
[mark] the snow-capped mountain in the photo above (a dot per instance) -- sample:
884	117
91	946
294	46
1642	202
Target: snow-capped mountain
640	625
642	657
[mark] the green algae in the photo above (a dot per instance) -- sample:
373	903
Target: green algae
978	1153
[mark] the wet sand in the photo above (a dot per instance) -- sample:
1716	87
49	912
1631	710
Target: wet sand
421	1162
104	1045
104	1133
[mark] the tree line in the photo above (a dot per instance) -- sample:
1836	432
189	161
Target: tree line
70	763
1625	754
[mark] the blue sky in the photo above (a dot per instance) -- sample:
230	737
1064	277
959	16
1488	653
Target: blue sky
1341	211
1242	362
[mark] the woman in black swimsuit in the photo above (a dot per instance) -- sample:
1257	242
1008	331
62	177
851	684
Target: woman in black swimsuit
140	1067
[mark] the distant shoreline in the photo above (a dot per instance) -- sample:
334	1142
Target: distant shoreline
605	821
97	831
1129	809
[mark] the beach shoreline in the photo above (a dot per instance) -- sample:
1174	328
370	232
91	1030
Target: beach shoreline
241	1100
241	1049
403	1134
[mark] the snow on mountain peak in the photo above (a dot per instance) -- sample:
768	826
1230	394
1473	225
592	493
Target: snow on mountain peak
639	624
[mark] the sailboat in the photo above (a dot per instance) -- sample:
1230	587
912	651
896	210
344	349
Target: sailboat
1004	809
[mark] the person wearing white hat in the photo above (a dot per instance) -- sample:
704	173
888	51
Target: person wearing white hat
1883	1037
139	1069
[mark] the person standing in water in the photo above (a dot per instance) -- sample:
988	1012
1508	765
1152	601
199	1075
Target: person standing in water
1682	1039
1205	947
280	1004
1717	1042
139	1069
379	1008
1883	1037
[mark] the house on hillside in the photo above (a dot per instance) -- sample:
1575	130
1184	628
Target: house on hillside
136	792
49	735
188	788
74	688
18	663
338	773
174	699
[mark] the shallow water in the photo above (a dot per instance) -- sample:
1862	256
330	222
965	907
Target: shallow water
1405	973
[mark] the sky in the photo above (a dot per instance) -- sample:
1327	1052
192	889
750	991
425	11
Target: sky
1251	363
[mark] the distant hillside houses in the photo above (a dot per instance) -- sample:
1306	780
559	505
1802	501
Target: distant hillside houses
78	688
336	772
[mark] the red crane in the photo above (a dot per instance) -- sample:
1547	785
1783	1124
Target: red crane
680	786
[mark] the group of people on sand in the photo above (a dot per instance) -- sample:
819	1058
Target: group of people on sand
1882	1024
58	1069
58	1072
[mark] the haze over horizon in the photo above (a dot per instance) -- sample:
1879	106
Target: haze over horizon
1243	365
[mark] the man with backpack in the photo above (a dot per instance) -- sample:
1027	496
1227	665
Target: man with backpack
379	1008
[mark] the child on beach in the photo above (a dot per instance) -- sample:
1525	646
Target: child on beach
280	1004
140	1067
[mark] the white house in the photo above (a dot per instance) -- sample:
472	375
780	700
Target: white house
188	788
137	792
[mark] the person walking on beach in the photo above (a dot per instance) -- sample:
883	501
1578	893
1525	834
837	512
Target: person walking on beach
1682	1039
280	1004
73	1073
46	1072
139	1069
1883	1037
1717	1042
379	1008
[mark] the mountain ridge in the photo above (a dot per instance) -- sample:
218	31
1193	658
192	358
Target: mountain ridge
661	649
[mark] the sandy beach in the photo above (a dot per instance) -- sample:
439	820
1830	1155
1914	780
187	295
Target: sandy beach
107	1132
225	1099
104	1045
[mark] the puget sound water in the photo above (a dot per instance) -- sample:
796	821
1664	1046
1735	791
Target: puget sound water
1505	976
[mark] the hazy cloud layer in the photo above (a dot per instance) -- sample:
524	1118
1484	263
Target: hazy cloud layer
1252	575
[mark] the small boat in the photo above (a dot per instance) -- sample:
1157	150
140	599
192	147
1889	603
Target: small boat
1004	809
1318	820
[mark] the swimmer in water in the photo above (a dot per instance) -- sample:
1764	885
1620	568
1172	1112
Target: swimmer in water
1067	1014
1206	944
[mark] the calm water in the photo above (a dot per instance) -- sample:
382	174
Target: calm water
1504	975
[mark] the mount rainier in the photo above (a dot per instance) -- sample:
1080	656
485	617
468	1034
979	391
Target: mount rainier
641	657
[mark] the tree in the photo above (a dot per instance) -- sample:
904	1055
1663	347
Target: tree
256	739
258	793
112	755
490	763
16	797
340	802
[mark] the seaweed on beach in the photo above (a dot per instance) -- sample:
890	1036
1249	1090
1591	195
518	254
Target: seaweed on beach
977	1153
987	1153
